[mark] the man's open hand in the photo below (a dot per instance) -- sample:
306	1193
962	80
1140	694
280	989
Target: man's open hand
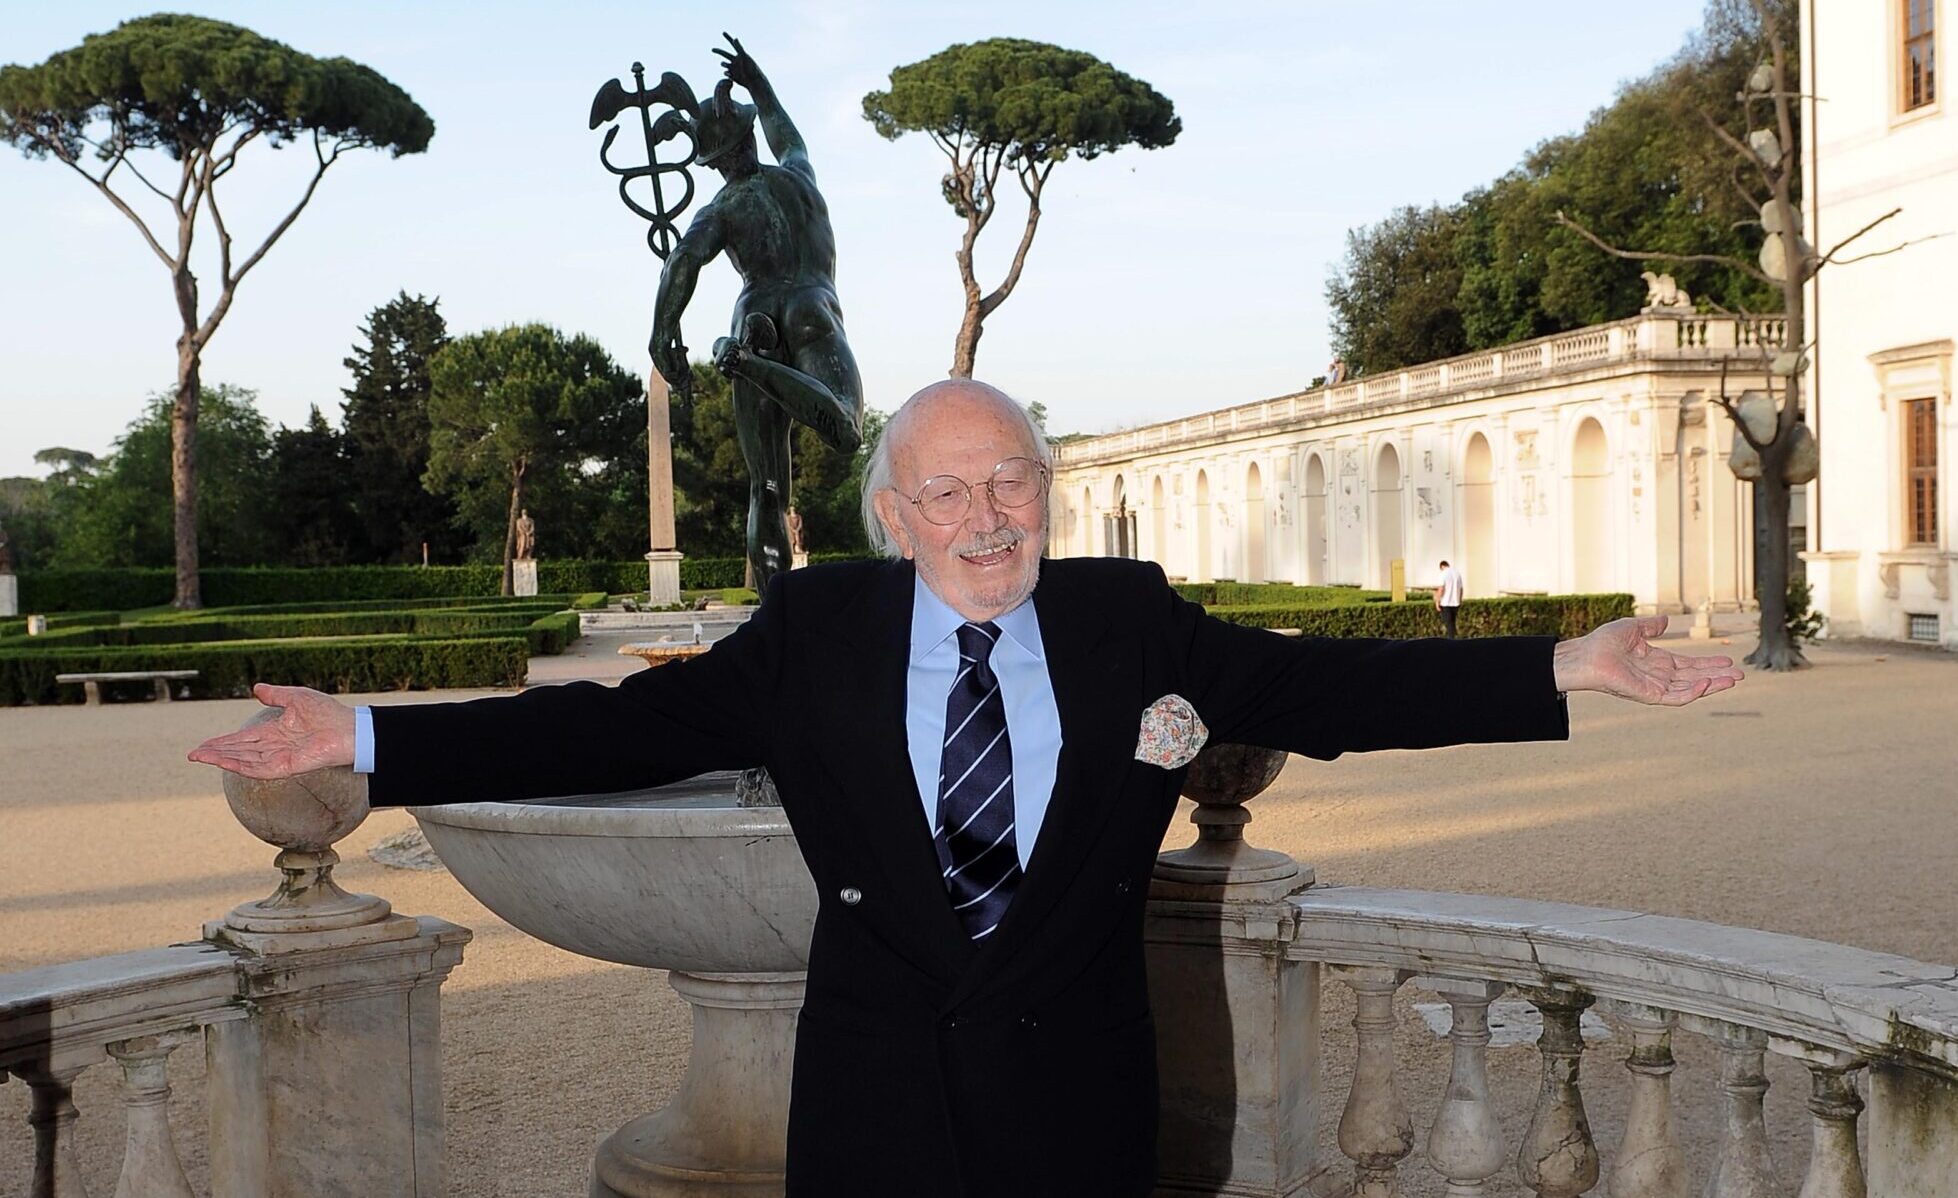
315	731
1620	659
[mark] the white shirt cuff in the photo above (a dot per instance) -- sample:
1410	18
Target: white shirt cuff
363	740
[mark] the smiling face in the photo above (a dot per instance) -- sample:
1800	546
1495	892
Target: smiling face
986	563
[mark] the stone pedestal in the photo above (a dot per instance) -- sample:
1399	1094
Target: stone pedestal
1913	1123
663	577
725	1133
1237	1024
1702	629
798	560
330	1080
523	578
9	595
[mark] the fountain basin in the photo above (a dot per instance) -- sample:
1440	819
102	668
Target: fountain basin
674	877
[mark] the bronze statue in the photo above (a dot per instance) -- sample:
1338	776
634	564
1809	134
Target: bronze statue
785	355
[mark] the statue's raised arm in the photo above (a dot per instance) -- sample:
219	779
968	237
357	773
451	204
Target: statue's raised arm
783	140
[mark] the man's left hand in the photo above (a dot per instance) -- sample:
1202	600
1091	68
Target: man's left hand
1620	659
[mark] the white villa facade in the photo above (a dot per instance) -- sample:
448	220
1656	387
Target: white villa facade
1883	138
1588	461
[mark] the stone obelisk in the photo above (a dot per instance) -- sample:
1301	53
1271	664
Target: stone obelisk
663	561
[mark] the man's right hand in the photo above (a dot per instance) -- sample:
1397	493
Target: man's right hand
314	731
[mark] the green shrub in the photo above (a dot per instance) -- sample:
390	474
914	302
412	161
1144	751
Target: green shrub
1239	594
282	586
1521	615
95	590
451	602
1804	624
242	586
227	670
17	625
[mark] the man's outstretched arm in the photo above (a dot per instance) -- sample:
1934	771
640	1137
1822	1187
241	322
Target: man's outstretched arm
710	712
784	141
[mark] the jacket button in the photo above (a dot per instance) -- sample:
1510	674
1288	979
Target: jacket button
850	895
1122	887
1029	1021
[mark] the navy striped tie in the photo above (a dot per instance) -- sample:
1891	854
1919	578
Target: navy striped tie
974	838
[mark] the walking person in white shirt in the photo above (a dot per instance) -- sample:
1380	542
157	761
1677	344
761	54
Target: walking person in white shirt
1448	598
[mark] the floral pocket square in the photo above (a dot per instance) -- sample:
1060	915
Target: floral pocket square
1172	732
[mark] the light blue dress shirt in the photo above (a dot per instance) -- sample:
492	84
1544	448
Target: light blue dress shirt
1033	719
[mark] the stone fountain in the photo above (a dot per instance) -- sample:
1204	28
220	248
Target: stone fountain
687	879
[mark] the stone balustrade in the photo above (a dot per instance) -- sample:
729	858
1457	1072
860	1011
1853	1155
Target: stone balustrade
1241	942
1842	1012
1655	336
318	1013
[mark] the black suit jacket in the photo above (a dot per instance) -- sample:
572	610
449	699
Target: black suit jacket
926	1065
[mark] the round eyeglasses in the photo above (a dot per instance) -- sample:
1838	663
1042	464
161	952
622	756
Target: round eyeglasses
1015	482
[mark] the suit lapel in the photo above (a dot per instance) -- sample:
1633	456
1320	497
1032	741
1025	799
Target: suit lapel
866	745
1097	678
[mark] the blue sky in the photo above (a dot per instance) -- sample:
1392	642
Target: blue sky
1162	282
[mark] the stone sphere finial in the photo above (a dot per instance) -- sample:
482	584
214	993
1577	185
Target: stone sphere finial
304	816
307	812
1221	779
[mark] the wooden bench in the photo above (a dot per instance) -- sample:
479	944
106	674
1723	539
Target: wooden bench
92	683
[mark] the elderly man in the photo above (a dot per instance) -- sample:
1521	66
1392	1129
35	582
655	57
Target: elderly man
958	736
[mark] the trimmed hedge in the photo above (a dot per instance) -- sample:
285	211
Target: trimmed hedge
590	599
547	627
227	670
127	589
1522	615
1240	594
17	625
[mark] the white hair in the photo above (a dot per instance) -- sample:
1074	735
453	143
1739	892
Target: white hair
881	473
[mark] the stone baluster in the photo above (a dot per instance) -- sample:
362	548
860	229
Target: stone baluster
1237	1019
150	1168
1835	1167
57	1174
1743	1168
1375	1130
1465	1144
1558	1158
1649	1163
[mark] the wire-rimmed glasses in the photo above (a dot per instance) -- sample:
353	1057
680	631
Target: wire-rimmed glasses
1015	482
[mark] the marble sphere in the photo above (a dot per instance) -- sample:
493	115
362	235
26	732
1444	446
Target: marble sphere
1227	775
307	812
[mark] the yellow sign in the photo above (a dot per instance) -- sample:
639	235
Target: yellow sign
1399	577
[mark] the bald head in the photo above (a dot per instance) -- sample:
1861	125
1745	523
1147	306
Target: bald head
986	562
895	457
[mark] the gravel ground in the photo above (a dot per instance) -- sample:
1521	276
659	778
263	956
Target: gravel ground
1820	804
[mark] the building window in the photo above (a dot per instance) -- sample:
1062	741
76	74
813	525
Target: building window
1924	627
1920	62
1921	471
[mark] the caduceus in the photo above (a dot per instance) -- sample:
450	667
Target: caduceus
662	230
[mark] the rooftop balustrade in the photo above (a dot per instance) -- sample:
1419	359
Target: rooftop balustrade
1657	337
